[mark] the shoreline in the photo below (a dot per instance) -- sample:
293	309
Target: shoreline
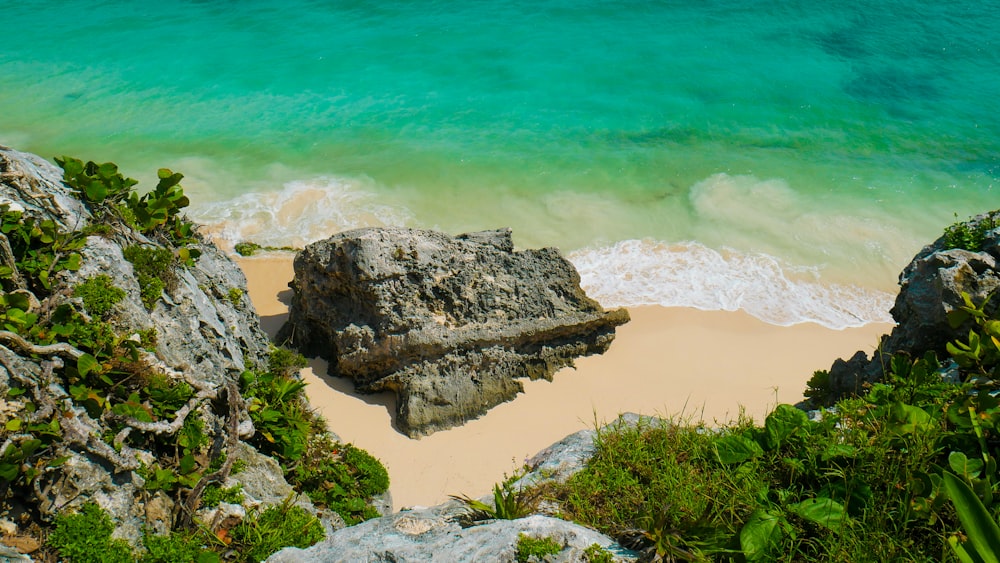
671	362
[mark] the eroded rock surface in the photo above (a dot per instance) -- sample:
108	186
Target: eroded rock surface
931	287
205	332
447	323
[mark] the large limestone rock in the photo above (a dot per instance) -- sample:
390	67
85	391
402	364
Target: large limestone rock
931	287
447	323
425	535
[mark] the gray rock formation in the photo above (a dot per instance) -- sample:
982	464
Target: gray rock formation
207	333
429	535
931	287
447	323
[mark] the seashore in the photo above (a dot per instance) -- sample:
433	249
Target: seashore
683	363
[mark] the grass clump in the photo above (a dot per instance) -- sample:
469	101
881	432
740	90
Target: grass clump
597	554
85	537
246	248
99	295
153	270
509	502
262	533
530	547
214	494
176	548
970	235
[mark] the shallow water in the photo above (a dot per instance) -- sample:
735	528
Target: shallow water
785	158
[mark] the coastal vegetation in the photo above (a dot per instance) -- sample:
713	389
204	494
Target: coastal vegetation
904	470
118	389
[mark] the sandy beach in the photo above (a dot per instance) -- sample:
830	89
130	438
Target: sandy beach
700	365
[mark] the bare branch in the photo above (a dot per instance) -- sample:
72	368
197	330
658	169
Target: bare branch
7	258
57	349
236	405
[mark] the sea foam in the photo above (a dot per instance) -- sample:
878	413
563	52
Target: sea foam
624	274
689	274
300	213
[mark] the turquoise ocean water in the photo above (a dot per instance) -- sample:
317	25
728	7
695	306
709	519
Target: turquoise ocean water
786	158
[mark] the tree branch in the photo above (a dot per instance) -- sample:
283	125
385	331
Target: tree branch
57	349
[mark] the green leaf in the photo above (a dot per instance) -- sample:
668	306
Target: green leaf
86	363
823	511
17	300
96	191
761	535
838	450
782	423
981	529
908	419
187	464
72	262
58	461
9	471
107	170
736	448
962	465
13	425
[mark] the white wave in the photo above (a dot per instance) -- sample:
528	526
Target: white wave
644	272
300	213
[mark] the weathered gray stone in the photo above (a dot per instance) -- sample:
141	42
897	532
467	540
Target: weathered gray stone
424	535
448	323
207	334
931	287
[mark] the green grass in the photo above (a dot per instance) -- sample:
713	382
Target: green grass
528	547
857	486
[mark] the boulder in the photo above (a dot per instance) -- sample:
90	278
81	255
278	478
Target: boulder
427	536
930	288
447	323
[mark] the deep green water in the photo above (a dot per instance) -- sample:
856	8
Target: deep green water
785	157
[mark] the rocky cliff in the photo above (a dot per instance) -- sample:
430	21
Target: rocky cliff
447	323
133	370
956	270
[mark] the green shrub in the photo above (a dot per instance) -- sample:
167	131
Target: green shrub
343	482
262	533
370	474
246	248
818	388
284	361
99	295
85	537
235	295
153	267
528	547
970	235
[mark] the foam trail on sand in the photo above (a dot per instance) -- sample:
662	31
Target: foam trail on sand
689	274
